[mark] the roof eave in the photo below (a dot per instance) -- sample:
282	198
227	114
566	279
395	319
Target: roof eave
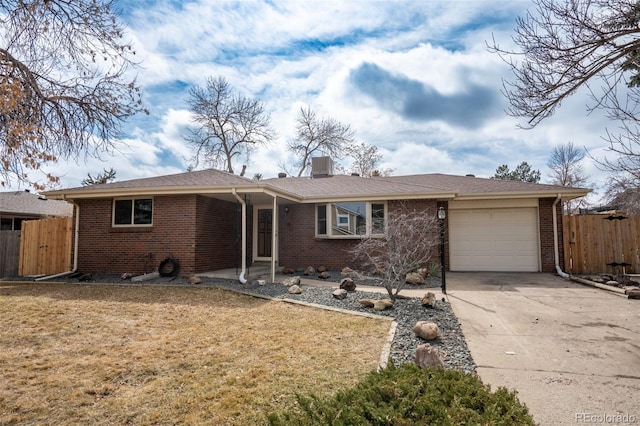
167	190
379	197
568	194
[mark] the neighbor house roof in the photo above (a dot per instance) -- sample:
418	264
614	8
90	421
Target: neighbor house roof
27	204
330	188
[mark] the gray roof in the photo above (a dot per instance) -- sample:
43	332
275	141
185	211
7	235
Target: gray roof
27	204
330	188
417	186
200	178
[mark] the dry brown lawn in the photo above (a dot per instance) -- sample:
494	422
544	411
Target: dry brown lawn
103	354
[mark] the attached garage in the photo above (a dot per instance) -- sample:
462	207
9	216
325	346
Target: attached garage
488	238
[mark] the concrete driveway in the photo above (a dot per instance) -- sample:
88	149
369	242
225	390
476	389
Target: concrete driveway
571	351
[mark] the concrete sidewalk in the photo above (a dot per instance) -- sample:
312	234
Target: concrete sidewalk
571	351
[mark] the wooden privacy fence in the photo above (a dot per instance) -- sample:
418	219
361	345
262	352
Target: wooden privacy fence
596	244
9	253
45	246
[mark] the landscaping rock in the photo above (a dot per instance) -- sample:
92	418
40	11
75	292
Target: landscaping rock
367	303
295	280
325	275
310	270
382	304
322	269
146	277
613	283
347	284
429	300
414	278
340	294
295	289
633	294
126	276
287	271
346	271
195	280
424	272
426	330
428	357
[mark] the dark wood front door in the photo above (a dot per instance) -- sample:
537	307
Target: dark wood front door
265	232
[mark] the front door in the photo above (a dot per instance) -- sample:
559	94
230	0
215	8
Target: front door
265	233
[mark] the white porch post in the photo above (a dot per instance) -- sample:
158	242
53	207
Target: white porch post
274	237
242	278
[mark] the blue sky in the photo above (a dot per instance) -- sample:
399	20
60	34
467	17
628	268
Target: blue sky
413	78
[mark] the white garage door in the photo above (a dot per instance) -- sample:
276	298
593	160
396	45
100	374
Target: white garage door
504	239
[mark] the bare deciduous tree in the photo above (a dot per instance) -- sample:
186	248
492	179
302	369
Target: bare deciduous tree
566	170
316	135
408	244
365	160
105	177
63	84
571	44
624	192
228	125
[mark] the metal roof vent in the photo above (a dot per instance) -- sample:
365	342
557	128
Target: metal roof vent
470	175
282	175
321	167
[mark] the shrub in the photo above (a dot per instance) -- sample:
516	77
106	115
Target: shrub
408	395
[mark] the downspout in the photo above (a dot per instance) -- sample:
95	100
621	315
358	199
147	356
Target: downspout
75	250
556	251
242	278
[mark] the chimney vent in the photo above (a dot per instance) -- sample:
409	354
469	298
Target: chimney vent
470	175
282	175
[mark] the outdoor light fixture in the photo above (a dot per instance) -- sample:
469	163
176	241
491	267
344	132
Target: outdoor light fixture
442	215
286	209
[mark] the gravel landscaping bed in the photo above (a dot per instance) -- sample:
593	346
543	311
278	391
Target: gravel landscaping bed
407	312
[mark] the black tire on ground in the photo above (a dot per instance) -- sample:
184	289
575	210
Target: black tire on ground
169	267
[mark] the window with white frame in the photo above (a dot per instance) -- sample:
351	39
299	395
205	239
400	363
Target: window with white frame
350	219
133	212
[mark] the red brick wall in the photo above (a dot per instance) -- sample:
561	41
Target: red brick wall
198	231
217	241
547	256
299	248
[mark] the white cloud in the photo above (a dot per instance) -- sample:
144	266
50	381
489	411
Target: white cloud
293	53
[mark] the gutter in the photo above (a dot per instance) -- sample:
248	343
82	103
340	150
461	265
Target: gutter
75	250
242	278
556	252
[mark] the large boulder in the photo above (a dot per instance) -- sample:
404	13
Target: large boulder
295	289
295	280
347	284
414	278
428	356
426	330
382	304
367	303
340	294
